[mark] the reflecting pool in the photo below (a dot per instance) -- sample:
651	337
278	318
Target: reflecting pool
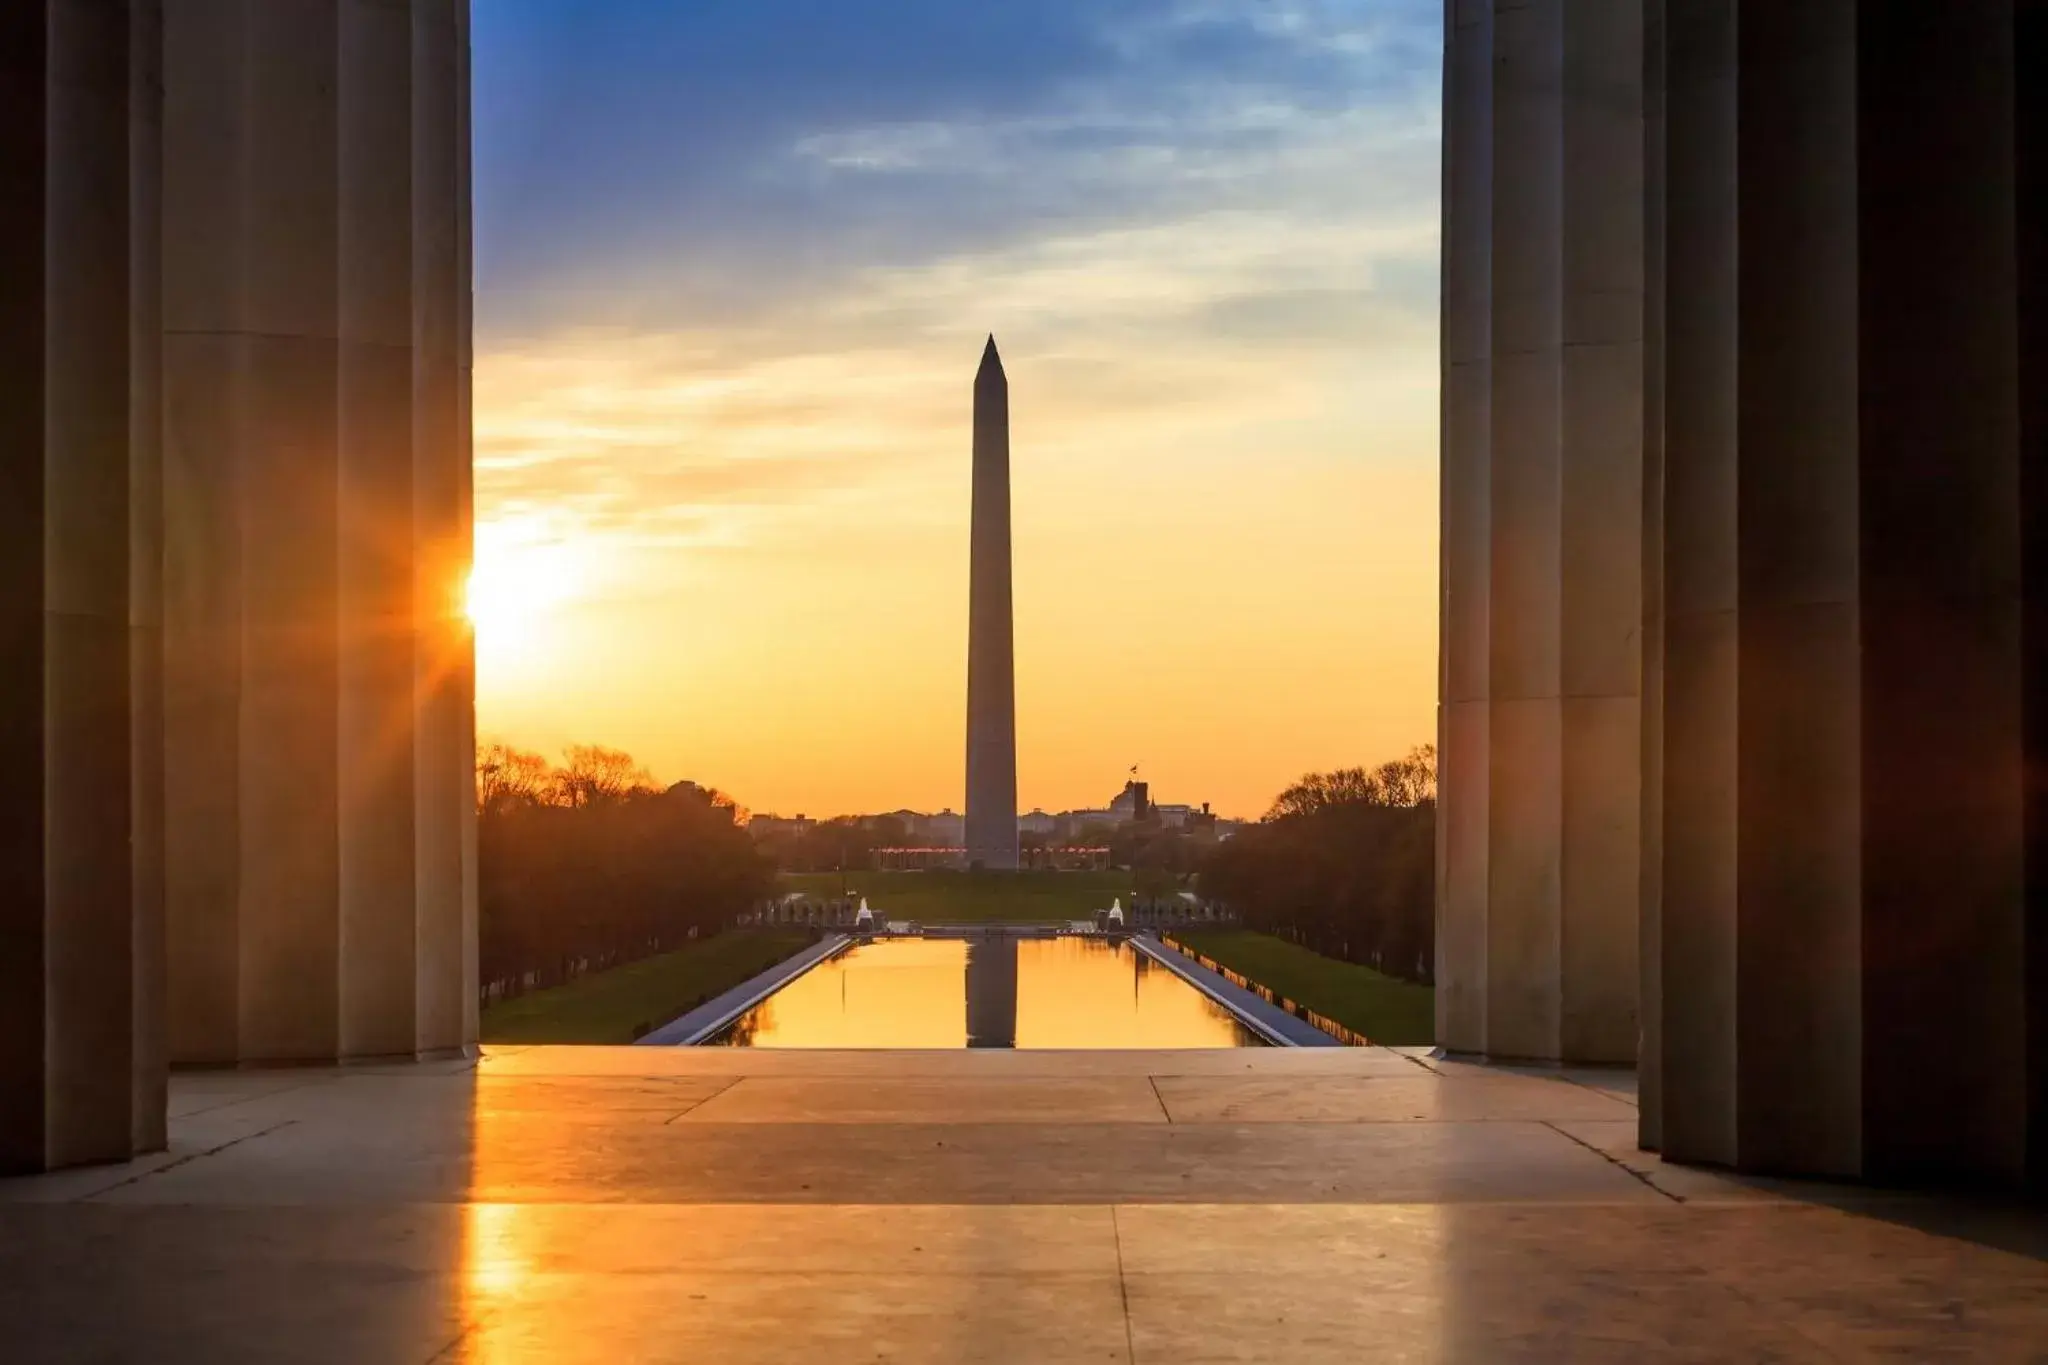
993	992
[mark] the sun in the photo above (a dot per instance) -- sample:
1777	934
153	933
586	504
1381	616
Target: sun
517	582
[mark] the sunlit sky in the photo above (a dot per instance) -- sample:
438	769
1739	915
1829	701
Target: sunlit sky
735	263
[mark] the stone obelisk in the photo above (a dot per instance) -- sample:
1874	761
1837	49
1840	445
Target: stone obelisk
991	669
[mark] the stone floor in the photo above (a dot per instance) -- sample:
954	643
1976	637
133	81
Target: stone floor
629	1204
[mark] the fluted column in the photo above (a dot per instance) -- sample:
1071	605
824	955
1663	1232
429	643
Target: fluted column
2030	194
1465	542
1696	899
80	1077
1541	720
444	660
318	688
462	453
379	730
1852	974
1650	953
149	1004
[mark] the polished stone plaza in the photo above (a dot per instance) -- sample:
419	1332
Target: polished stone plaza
647	1204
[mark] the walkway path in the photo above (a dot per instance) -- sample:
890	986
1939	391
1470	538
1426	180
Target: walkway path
715	1013
570	1205
1268	1019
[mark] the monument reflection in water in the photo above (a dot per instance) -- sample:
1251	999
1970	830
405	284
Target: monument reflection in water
1002	992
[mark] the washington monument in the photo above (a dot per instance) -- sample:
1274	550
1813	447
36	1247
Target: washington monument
991	665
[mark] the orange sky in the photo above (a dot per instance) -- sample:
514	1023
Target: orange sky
736	544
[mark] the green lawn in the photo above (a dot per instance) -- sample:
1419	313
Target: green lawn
1397	1013
948	897
606	1006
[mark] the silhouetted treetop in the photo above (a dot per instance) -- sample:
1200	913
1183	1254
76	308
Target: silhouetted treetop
1343	864
1406	781
590	864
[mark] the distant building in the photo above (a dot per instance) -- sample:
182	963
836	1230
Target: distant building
919	859
1134	802
1068	858
931	839
946	829
772	826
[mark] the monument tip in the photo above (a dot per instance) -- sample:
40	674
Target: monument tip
989	355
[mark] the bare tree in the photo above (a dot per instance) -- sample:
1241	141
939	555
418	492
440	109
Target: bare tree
1319	791
1344	864
508	776
591	773
584	867
1411	780
715	799
1406	781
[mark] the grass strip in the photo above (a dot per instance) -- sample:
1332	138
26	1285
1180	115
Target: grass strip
1384	1009
607	1007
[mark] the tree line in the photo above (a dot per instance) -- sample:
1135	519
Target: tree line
843	843
1161	858
589	864
1344	864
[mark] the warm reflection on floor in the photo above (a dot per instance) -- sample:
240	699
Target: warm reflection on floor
495	1259
571	1206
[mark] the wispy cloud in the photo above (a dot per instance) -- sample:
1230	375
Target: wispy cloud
738	177
734	278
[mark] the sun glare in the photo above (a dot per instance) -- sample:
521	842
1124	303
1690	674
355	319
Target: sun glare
517	581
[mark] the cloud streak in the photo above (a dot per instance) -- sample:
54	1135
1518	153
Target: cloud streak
736	260
727	162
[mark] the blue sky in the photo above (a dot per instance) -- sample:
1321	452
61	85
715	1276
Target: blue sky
734	261
823	136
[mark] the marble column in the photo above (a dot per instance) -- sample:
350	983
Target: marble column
1698	518
1463	546
377	546
81	1074
1852	968
149	1003
1540	726
317	683
1650	953
444	663
2030	194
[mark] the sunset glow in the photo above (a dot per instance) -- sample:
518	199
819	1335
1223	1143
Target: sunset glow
731	303
518	585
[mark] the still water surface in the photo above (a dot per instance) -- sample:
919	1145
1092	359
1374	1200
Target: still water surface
1007	992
